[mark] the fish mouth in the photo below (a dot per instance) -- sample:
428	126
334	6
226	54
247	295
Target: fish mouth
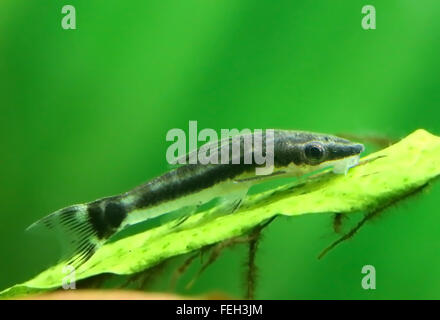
359	148
340	152
353	152
344	158
353	149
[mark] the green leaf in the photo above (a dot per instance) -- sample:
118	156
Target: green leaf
391	173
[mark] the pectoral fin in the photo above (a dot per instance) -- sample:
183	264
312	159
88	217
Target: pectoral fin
232	202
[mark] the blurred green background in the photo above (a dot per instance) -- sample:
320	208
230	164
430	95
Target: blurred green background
84	114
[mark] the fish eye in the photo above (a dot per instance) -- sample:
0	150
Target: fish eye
314	151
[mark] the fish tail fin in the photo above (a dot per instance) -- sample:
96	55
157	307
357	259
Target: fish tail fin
76	232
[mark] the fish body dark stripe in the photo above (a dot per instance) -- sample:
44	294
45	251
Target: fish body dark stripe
186	180
191	178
